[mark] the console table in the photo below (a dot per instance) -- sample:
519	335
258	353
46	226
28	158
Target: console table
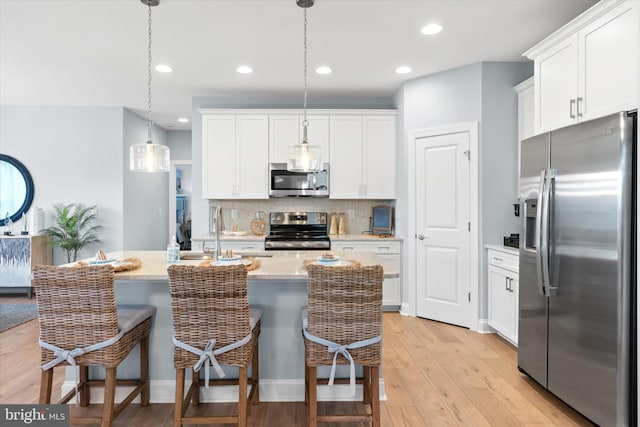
18	254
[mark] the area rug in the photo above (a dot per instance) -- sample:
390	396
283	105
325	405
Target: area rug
15	314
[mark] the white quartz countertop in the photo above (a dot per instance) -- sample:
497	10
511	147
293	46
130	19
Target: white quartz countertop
282	265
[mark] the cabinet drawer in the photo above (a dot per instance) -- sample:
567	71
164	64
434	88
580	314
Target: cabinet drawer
503	259
377	247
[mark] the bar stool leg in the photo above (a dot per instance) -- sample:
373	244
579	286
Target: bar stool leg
144	371
109	397
195	379
313	396
242	397
46	379
255	375
366	384
178	411
84	390
306	384
375	396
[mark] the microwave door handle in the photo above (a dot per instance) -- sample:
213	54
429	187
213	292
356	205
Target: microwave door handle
539	233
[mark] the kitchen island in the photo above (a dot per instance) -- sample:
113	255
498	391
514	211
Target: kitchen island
277	287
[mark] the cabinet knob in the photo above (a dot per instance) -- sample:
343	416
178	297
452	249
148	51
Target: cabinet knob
420	236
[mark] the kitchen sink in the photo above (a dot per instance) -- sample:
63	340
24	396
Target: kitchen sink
195	256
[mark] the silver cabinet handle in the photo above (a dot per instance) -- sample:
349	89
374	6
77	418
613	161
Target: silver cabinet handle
495	258
579	100
506	283
572	102
420	236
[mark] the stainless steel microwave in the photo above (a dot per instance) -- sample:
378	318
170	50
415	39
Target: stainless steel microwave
283	183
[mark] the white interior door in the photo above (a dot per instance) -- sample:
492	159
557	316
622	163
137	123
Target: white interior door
442	227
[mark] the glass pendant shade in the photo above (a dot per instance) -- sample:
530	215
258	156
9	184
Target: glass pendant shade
304	157
149	157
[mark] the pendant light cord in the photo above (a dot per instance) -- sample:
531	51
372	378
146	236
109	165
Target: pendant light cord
149	121
305	122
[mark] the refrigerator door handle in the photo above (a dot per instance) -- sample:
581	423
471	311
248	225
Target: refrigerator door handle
551	176
540	233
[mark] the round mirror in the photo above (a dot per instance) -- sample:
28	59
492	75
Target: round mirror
16	189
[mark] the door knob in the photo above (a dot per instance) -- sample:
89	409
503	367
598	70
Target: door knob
420	236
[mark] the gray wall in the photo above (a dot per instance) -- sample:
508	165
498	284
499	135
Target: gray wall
81	155
146	195
179	142
74	155
481	92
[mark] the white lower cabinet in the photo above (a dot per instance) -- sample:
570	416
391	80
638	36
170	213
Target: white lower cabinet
503	285
388	251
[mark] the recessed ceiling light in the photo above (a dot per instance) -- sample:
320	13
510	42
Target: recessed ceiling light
431	29
323	70
163	68
183	120
403	70
244	69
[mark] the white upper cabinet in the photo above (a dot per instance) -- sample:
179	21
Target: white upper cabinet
363	157
286	130
589	68
235	150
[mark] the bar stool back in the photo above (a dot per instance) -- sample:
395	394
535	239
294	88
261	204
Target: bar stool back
213	325
343	320
81	325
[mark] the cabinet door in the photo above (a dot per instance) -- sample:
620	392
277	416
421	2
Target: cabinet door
346	157
392	288
515	287
252	154
379	157
608	71
318	134
502	304
556	85
284	131
218	156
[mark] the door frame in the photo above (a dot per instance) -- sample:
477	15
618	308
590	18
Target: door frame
172	193
474	238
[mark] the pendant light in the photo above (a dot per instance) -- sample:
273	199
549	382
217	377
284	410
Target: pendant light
149	157
304	157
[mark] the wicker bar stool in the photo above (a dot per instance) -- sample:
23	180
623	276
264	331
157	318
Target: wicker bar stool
343	321
213	325
81	325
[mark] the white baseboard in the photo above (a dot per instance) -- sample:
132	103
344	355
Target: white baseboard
404	309
270	391
482	327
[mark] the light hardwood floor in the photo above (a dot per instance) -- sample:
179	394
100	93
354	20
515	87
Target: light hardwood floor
435	375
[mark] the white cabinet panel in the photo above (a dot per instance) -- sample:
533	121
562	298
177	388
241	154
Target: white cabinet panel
363	157
379	157
235	156
503	291
346	157
590	72
286	130
608	53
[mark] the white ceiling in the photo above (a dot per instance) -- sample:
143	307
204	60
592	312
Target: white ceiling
94	52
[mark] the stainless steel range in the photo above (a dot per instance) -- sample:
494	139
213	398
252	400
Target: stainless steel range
297	231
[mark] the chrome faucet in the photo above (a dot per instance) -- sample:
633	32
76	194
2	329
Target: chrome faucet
215	218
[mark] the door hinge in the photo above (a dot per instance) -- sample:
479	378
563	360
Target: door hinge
469	226
469	296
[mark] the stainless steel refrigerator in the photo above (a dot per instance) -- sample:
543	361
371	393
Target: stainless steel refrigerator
577	266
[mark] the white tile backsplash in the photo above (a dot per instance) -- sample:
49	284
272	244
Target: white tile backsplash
247	210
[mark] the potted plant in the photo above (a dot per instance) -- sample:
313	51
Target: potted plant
74	229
